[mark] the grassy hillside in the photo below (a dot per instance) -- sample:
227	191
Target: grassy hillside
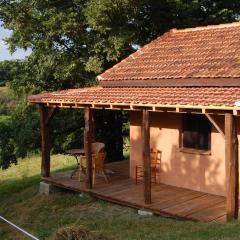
42	215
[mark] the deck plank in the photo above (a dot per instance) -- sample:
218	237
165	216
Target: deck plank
166	200
194	205
211	213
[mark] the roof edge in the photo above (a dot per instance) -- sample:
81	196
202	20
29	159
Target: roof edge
200	28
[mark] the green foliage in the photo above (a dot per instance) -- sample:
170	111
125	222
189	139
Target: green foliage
68	130
8	70
7	156
25	130
4	73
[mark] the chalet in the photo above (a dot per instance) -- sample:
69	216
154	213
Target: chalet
183	94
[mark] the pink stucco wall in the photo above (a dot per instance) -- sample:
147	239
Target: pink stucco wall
199	172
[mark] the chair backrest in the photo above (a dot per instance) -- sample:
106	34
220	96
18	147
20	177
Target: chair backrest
155	156
98	147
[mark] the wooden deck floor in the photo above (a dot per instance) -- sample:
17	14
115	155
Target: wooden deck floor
166	200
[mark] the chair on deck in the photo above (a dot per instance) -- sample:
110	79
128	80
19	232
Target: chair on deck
98	158
155	158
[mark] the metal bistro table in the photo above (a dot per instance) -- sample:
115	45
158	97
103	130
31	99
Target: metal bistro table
76	153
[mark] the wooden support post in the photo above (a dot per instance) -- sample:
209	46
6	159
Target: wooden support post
231	161
93	127
87	145
146	156
45	141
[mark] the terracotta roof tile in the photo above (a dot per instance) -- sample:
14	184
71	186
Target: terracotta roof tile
205	96
202	52
209	53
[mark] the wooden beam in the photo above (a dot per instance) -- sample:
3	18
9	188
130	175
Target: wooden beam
215	124
219	110
93	127
51	114
45	142
184	82
87	145
231	161
146	156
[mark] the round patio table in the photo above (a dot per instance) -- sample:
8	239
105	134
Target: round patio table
76	153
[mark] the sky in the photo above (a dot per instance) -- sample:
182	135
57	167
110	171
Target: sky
4	53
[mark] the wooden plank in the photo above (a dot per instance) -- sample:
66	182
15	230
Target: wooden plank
45	142
231	162
87	146
194	205
93	127
220	110
222	219
175	199
210	214
113	189
215	124
146	156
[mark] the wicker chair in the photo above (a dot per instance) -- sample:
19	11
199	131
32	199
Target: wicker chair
97	147
155	157
98	158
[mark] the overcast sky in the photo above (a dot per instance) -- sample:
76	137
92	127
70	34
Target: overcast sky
4	53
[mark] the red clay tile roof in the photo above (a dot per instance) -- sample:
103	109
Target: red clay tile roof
196	54
204	96
202	52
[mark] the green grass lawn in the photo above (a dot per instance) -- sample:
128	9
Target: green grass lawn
42	215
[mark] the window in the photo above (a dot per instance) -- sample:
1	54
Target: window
196	132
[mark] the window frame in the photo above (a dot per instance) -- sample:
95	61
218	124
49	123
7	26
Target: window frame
194	150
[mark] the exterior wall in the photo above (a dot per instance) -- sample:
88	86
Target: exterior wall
194	171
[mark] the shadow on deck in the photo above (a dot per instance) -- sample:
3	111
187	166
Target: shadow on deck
166	200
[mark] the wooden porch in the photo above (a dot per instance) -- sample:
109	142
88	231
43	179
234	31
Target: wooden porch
166	200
